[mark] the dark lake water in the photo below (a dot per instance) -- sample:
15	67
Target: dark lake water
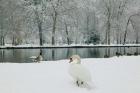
23	55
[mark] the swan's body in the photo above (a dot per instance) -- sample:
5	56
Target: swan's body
79	73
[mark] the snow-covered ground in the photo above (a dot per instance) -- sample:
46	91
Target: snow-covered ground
110	75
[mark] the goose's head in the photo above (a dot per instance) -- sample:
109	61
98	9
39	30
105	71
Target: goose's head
75	59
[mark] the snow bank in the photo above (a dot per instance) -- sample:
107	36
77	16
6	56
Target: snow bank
110	75
9	46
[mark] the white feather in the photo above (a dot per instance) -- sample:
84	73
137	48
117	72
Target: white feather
79	73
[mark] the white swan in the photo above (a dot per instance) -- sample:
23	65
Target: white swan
80	74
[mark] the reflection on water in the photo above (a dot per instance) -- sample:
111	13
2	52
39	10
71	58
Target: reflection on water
23	55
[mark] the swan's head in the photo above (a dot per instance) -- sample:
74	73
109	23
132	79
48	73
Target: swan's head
75	59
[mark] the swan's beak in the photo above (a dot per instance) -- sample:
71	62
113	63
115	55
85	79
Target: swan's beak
70	60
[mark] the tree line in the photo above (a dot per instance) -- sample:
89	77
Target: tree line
69	22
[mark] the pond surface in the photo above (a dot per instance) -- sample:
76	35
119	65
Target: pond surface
23	55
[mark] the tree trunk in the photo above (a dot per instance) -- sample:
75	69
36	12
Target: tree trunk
125	33
117	37
39	24
108	30
54	27
2	37
137	36
13	41
1	40
87	26
67	33
40	33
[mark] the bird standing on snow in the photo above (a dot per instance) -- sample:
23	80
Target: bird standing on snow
80	74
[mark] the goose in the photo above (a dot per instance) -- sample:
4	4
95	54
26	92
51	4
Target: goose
78	72
37	58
